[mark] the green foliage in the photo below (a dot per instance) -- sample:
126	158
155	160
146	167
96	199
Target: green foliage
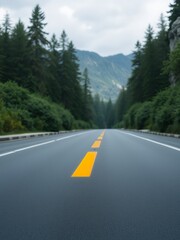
130	118
79	124
99	112
5	49
109	114
71	91
87	98
50	69
174	11
135	106
38	53
20	110
135	82
171	66
9	120
142	119
161	114
20	51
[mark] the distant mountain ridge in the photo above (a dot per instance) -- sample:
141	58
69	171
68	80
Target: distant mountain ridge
107	74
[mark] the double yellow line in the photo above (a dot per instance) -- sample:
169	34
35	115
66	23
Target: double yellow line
85	167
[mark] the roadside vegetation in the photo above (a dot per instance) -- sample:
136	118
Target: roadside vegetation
42	88
151	99
161	114
21	111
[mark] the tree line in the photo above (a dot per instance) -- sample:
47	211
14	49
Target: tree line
42	88
150	100
47	68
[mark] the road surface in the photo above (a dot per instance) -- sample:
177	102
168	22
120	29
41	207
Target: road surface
91	185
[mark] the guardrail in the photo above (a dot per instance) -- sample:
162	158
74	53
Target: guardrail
156	133
28	135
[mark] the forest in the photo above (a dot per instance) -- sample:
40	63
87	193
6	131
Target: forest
42	88
151	100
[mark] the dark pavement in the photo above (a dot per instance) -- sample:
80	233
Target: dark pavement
133	192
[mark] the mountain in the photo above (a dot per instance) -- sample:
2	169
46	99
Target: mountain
107	74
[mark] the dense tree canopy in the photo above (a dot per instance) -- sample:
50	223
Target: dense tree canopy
57	96
174	11
45	67
152	66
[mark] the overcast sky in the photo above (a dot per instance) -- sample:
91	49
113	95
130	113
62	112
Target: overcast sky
105	26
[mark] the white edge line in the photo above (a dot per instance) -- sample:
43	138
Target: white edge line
149	140
40	144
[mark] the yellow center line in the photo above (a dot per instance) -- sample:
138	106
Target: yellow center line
102	134
100	138
96	144
85	167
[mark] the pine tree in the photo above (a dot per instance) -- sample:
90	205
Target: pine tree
36	31
149	69
54	72
87	98
173	63
162	53
110	114
20	55
6	49
1	55
71	92
99	110
135	82
121	105
38	43
64	70
64	41
74	80
174	12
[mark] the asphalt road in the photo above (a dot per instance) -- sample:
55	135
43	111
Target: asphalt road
90	185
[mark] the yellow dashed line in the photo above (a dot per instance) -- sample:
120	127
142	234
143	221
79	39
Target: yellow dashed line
85	167
96	144
100	138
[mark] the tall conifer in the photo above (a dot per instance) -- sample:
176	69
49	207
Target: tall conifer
38	43
174	12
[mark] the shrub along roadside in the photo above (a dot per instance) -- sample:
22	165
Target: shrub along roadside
162	114
21	111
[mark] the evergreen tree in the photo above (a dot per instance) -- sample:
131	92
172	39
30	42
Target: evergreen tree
162	53
99	110
54	71
87	98
75	92
38	43
71	92
149	69
36	31
110	114
173	63
64	41
1	55
135	82
5	51
121	105
174	12
64	65
20	55
147	78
